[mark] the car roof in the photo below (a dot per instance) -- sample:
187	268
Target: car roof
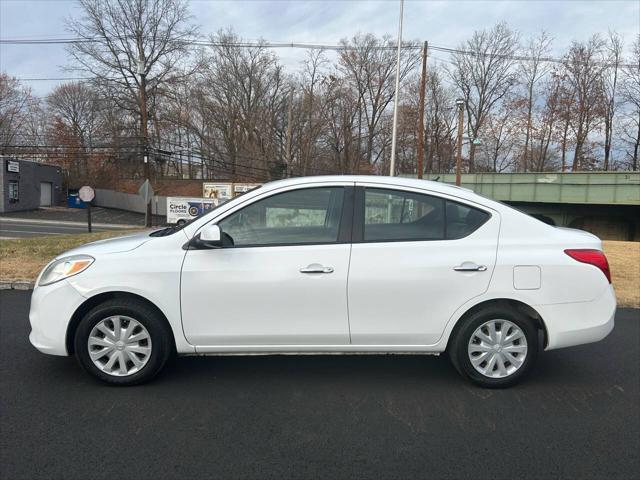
383	181
430	185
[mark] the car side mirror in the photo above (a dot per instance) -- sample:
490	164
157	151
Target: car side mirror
211	236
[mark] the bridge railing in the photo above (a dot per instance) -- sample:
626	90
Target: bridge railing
602	188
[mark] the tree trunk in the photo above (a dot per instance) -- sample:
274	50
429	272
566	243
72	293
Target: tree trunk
607	141
636	147
472	155
525	162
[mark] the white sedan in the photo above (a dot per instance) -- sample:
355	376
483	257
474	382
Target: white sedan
330	265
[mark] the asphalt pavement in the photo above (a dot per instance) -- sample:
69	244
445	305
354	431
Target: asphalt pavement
66	221
20	228
576	416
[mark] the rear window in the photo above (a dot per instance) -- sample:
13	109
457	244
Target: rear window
463	220
393	215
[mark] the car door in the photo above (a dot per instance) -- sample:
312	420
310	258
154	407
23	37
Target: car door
282	278
415	259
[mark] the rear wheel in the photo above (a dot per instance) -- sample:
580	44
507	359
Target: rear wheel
123	342
495	347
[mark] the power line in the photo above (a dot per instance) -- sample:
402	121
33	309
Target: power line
46	79
302	45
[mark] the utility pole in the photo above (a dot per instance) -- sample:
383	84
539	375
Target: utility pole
460	104
396	99
144	133
423	85
289	160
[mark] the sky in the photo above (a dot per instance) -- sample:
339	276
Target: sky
442	23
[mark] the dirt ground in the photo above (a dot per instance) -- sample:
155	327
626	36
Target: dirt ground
624	261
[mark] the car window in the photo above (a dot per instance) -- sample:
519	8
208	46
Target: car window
304	216
462	220
391	215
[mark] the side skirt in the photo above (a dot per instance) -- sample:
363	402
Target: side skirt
314	350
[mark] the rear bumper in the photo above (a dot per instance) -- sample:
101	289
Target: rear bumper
570	324
51	310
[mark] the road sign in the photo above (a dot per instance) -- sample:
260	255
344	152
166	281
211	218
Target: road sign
146	191
86	193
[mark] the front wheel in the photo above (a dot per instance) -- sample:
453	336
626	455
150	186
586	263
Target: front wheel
122	342
495	347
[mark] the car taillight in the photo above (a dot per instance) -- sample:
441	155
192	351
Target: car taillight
592	257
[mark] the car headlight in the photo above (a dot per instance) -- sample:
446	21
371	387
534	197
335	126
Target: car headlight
64	268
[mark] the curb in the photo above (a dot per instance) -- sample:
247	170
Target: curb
17	285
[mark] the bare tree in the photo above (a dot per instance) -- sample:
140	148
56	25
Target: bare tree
631	96
134	49
311	105
76	105
441	123
531	71
500	140
341	117
483	71
583	65
544	125
614	51
369	64
242	95
17	105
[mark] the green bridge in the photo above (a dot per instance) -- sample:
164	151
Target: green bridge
605	203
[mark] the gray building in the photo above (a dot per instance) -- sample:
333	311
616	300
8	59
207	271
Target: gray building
26	185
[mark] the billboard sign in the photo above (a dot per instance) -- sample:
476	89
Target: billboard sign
239	188
218	191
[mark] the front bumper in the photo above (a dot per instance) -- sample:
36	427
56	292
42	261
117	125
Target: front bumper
51	310
570	324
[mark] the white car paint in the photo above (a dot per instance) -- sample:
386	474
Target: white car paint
382	297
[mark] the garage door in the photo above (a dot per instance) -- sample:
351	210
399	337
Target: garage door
45	194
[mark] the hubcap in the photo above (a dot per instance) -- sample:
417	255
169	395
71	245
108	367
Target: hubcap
119	345
498	348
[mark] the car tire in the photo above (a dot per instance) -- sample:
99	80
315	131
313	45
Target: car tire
123	342
495	347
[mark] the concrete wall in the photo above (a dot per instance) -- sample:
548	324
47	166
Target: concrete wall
29	178
129	202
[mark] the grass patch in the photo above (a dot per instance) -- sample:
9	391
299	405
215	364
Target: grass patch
24	258
624	260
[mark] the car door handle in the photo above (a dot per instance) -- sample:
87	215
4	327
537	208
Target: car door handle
316	268
470	267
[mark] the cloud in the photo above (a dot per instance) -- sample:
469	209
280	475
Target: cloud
444	23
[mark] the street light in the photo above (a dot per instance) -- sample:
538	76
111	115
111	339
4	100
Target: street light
392	167
460	103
